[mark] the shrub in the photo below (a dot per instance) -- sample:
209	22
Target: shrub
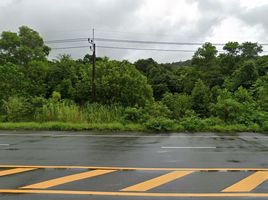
178	104
212	121
135	115
160	124
18	109
157	109
227	109
191	122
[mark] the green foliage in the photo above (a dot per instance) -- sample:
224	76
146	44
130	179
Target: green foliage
136	115
157	109
244	76
210	92
62	111
260	89
97	113
178	104
191	122
201	98
23	47
204	56
250	50
56	96
227	109
160	124
11	81
120	82
17	109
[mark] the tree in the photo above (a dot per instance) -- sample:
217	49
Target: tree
232	48
201	98
250	50
122	83
230	59
260	89
36	76
23	47
144	65
62	76
205	56
244	76
179	104
11	81
262	65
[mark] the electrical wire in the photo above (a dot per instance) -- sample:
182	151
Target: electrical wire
126	48
135	41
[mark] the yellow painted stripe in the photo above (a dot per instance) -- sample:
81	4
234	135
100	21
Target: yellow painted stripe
158	181
133	168
67	179
15	171
248	184
137	194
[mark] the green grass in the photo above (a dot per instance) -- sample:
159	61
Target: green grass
63	126
116	126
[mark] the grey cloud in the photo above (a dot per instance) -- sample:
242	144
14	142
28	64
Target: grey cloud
255	16
62	19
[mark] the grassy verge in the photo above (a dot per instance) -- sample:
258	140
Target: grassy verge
63	126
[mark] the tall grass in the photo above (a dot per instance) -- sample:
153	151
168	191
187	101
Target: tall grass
65	111
97	113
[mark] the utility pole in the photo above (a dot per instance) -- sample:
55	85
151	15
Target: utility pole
93	49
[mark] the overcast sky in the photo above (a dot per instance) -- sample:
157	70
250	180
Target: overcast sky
217	21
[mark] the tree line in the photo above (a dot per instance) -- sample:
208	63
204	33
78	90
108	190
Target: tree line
226	89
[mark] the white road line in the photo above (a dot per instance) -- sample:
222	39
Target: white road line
4	144
188	147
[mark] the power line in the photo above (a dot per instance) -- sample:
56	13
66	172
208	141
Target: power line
66	40
146	49
152	42
135	41
131	48
125	48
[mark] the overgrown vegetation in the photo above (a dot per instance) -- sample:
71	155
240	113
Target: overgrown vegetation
211	92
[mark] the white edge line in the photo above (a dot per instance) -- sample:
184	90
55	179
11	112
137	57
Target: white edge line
4	144
188	147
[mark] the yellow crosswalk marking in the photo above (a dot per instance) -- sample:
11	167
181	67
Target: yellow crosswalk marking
15	171
67	179
147	185
248	184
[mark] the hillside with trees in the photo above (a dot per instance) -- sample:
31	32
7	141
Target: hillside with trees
211	92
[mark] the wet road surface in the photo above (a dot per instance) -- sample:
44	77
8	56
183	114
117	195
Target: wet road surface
59	165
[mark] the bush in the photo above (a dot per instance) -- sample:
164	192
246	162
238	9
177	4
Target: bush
212	121
178	104
191	122
160	124
17	109
136	115
157	109
227	109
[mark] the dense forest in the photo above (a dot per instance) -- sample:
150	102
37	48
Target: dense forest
213	91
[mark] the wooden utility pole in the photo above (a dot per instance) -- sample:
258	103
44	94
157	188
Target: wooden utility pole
93	48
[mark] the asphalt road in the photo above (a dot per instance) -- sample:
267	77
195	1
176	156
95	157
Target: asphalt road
132	166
